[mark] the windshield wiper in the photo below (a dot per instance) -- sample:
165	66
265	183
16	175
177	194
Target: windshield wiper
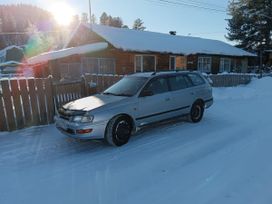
109	93
128	95
113	94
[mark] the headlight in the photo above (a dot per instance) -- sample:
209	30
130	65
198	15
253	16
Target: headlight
83	119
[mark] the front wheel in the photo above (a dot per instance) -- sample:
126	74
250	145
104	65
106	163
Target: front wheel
196	113
118	131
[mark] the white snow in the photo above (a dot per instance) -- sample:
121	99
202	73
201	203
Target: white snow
11	63
44	57
224	159
144	41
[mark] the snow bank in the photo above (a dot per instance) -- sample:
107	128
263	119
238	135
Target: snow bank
44	57
257	88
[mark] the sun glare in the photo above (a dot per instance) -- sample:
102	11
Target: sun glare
62	12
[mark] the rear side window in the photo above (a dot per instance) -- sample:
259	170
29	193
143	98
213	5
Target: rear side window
196	79
158	86
177	83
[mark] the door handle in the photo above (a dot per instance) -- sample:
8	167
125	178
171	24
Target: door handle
167	99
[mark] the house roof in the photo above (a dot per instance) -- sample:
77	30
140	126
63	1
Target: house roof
145	41
44	57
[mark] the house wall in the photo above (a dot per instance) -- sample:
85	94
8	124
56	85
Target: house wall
124	61
238	64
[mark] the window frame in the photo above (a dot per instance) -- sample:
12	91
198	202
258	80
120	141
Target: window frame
173	56
222	64
201	69
178	75
142	60
98	60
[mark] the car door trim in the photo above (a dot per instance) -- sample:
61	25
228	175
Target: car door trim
161	113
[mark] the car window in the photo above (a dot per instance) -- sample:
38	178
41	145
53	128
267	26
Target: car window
158	86
196	79
177	83
128	86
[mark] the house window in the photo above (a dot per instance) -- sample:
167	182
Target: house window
204	64
225	65
145	63
70	71
172	63
94	65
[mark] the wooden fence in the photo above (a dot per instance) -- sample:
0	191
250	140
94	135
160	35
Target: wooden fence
230	80
25	103
31	102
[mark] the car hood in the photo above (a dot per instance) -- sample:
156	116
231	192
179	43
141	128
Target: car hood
92	102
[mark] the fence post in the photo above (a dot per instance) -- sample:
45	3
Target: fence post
83	86
3	124
50	96
8	105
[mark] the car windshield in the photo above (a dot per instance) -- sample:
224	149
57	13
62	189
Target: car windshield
127	86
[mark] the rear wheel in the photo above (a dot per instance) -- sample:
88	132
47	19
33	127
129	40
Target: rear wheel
197	111
118	130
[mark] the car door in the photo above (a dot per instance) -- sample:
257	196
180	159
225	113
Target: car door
181	93
155	105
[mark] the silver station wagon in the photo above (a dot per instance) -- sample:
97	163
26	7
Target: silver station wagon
135	101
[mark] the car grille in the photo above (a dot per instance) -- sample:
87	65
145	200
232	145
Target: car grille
68	114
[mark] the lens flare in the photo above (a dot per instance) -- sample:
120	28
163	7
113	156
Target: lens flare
62	12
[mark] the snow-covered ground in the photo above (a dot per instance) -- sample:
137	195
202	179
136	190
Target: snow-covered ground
224	159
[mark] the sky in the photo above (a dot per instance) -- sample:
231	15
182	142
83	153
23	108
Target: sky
158	17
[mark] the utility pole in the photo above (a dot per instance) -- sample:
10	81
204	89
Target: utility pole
90	11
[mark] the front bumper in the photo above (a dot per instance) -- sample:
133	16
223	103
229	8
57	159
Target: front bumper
72	129
208	103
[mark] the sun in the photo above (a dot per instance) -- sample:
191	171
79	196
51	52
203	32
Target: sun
62	12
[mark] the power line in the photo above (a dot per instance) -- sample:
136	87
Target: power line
183	3
191	5
202	3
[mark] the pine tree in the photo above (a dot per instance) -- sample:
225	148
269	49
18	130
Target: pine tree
138	24
116	22
103	18
250	24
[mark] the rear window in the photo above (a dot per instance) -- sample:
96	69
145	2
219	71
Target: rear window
177	83
196	79
158	86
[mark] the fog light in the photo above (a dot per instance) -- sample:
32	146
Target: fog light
84	131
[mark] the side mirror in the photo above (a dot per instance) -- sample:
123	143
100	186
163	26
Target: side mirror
146	93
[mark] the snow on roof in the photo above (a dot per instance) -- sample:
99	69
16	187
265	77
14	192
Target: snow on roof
144	41
4	51
44	57
11	63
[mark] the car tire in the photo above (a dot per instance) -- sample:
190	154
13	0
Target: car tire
197	112
118	131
